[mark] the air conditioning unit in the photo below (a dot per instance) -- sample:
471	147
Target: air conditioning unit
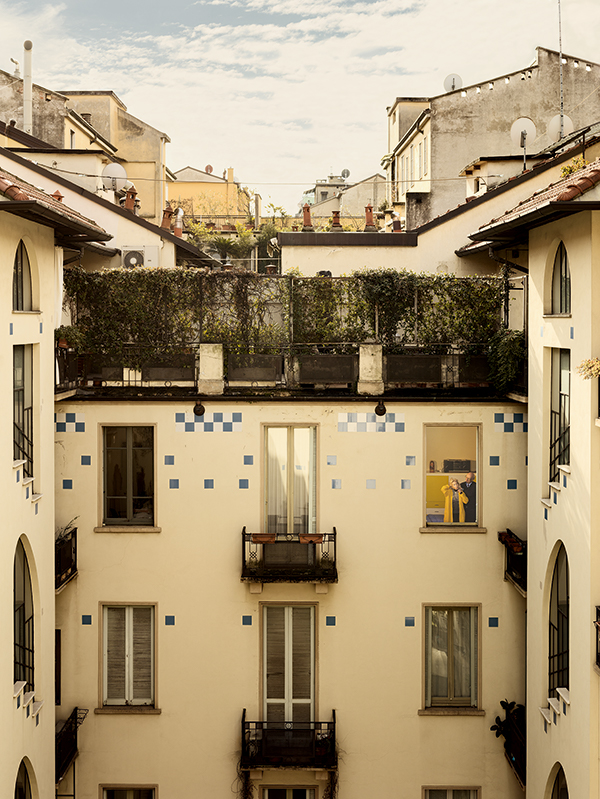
144	255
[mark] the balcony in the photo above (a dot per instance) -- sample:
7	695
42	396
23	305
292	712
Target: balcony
288	744
516	560
301	558
66	743
513	728
65	558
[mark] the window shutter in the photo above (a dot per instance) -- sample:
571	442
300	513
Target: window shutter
142	654
275	663
115	656
427	657
474	658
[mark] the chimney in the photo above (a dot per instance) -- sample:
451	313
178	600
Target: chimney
335	222
130	199
166	220
306	221
58	196
87	118
27	89
369	223
178	223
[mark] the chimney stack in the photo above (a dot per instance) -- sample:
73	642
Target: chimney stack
307	226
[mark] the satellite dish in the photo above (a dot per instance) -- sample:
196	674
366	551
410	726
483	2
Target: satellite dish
345	173
452	82
520	126
208	168
553	129
114	177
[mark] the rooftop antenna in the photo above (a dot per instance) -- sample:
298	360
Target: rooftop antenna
560	63
522	129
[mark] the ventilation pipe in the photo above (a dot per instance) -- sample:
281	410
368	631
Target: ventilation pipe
178	223
27	89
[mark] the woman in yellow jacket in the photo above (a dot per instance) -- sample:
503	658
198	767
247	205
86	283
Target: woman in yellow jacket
456	499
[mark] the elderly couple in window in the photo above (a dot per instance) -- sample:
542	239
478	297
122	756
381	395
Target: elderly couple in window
461	500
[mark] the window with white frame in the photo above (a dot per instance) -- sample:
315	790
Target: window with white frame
128	655
128	793
452	490
291	484
23	406
451	793
425	155
288	793
451	664
128	475
560	412
288	662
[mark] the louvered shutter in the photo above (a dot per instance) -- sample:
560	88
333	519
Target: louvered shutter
142	655
474	657
302	663
289	663
275	663
428	622
114	648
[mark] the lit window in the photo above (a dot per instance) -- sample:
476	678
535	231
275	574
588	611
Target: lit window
451	656
561	282
128	475
128	673
289	653
451	477
23	620
291	486
558	642
560	413
21	280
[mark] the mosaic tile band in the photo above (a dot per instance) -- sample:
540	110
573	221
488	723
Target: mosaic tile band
209	423
370	423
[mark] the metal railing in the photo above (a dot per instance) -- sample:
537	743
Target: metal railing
271	558
516	558
560	438
513	730
308	744
24	648
23	441
66	743
65	557
67	369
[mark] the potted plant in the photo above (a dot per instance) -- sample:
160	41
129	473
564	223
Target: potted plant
68	337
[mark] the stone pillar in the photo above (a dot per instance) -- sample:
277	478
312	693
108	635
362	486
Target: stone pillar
370	369
210	369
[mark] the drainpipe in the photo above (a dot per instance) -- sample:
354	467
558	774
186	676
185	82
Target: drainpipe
27	89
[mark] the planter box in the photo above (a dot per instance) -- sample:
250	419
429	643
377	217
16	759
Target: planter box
179	367
255	368
414	369
263	538
328	368
311	538
475	369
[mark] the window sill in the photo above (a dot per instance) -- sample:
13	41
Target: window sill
452	528
127	528
127	710
556	316
450	711
33	312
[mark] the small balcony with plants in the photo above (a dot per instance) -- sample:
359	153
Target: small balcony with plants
291	558
515	568
513	729
65	555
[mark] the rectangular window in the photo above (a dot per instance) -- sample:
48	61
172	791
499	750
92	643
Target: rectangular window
560	413
451	656
72	139
402	176
425	155
128	475
412	164
420	160
451	479
451	793
23	406
288	793
128	655
288	663
291	484
128	793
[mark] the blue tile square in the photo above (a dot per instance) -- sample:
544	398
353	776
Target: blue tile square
493	621
361	427
10	328
209	483
190	427
248	460
546	514
332	460
336	483
352	417
494	460
409	621
169	460
555	498
572	332
399	427
509	427
70	417
209	427
380	427
330	621
525	427
411	460
542	331
511	484
41	327
37	507
372	417
174	483
404	484
236	417
169	621
61	427
244	483
18	480
80	427
86	460
390	417
67	484
217	417
86	619
26	492
342	427
371	484
180	417
526	459
247	621
518	417
564	480
228	427
498	418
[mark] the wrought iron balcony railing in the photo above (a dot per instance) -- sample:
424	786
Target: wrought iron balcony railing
66	743
513	730
293	744
516	558
65	557
272	558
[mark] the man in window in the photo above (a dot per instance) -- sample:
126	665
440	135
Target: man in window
470	489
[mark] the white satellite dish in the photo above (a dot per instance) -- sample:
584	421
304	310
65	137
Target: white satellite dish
553	129
114	177
345	173
452	82
520	126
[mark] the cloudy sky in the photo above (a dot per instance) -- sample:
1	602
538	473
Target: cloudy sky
285	91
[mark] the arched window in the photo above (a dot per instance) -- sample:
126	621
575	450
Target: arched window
561	282
23	619
558	639
559	789
21	280
22	785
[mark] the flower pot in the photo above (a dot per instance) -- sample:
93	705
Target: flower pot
263	538
311	538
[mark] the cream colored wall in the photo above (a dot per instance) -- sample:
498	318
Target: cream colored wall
206	199
20	736
572	518
84	169
370	664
